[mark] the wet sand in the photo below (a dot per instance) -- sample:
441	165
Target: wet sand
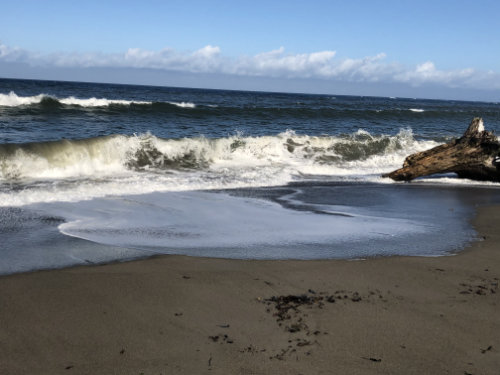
181	315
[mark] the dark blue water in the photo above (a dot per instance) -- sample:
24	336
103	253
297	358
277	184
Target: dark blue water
219	113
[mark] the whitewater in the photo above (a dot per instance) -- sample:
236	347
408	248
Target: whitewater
70	170
13	100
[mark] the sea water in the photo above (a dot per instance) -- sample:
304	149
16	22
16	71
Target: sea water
94	173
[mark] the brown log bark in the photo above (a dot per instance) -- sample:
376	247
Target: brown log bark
475	155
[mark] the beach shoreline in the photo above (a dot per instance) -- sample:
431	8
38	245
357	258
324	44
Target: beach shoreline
184	315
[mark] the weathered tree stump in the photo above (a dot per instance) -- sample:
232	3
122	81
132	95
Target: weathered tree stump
475	156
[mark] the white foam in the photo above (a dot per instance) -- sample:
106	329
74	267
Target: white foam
69	159
12	100
81	170
186	220
453	180
419	110
183	104
98	102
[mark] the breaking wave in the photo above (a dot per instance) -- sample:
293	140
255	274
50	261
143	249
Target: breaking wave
75	170
13	100
354	154
82	169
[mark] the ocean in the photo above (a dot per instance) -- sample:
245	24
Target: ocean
93	173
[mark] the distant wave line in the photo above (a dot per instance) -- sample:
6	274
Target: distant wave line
14	100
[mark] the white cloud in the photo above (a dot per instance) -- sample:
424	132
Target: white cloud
275	63
205	60
278	64
428	73
208	52
9	54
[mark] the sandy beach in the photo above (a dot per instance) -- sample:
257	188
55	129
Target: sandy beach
182	315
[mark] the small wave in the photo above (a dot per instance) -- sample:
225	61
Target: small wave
13	100
97	102
183	104
417	110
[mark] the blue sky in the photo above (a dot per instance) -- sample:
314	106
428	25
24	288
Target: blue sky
448	49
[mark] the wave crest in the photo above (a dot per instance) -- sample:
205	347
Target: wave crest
13	100
116	154
71	170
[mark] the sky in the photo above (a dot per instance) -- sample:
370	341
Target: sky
434	49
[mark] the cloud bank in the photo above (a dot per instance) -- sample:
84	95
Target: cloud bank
276	64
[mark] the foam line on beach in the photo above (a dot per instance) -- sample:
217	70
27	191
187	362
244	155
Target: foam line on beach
242	228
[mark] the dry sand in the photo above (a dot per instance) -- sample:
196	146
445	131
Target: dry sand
180	315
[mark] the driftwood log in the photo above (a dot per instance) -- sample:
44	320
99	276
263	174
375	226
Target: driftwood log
475	156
